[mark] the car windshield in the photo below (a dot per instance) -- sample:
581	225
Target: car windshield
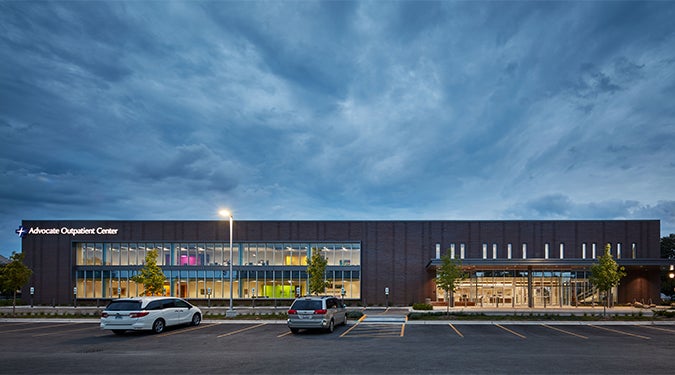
306	305
124	306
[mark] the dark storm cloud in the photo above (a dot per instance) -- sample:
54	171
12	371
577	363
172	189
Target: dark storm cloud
310	50
195	165
556	206
336	110
561	206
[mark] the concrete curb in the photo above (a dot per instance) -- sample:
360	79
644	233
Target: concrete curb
411	322
540	322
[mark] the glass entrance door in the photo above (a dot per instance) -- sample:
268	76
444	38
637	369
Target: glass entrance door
510	288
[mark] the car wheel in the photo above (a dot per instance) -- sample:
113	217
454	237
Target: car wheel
158	326
196	319
118	331
331	326
295	330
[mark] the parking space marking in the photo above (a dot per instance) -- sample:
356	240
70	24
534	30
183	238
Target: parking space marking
376	330
62	332
240	330
565	331
456	330
14	324
621	332
186	330
285	334
37	327
354	326
349	330
657	328
372	335
510	331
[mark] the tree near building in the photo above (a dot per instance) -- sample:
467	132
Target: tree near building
668	247
14	275
151	275
668	252
316	272
448	276
606	274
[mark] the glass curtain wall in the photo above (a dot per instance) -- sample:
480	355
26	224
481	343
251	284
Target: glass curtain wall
509	288
201	270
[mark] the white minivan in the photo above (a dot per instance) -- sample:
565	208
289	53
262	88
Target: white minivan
148	313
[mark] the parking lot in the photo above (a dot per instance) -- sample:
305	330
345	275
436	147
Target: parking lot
375	346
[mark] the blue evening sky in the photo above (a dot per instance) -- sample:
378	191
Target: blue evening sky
301	110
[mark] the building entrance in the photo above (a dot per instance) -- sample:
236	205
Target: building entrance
515	288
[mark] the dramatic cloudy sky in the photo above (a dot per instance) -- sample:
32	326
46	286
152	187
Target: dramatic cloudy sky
336	110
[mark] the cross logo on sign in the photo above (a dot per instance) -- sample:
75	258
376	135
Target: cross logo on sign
22	232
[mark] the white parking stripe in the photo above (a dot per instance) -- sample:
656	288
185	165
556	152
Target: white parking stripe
240	330
565	331
510	331
621	332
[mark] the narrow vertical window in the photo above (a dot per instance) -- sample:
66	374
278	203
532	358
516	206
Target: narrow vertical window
484	251
618	250
593	250
546	250
524	250
633	250
509	251
583	250
562	251
494	251
452	251
80	251
462	250
438	251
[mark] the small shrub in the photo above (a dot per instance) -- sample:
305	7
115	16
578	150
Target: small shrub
427	316
354	315
422	306
665	313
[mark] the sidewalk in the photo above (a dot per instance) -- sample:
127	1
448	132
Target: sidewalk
70	314
563	311
394	310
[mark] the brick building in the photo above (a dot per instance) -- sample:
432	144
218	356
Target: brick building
516	263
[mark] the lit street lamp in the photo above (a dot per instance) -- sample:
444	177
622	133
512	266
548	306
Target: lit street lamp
230	312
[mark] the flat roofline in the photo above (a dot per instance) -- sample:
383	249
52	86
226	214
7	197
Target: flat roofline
348	220
557	263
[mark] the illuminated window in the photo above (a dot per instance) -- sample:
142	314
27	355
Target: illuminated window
583	250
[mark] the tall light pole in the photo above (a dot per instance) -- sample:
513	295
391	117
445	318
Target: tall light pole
230	312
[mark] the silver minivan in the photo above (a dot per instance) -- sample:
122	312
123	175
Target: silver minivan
313	312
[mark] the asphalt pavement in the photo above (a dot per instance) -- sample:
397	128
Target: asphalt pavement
262	347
